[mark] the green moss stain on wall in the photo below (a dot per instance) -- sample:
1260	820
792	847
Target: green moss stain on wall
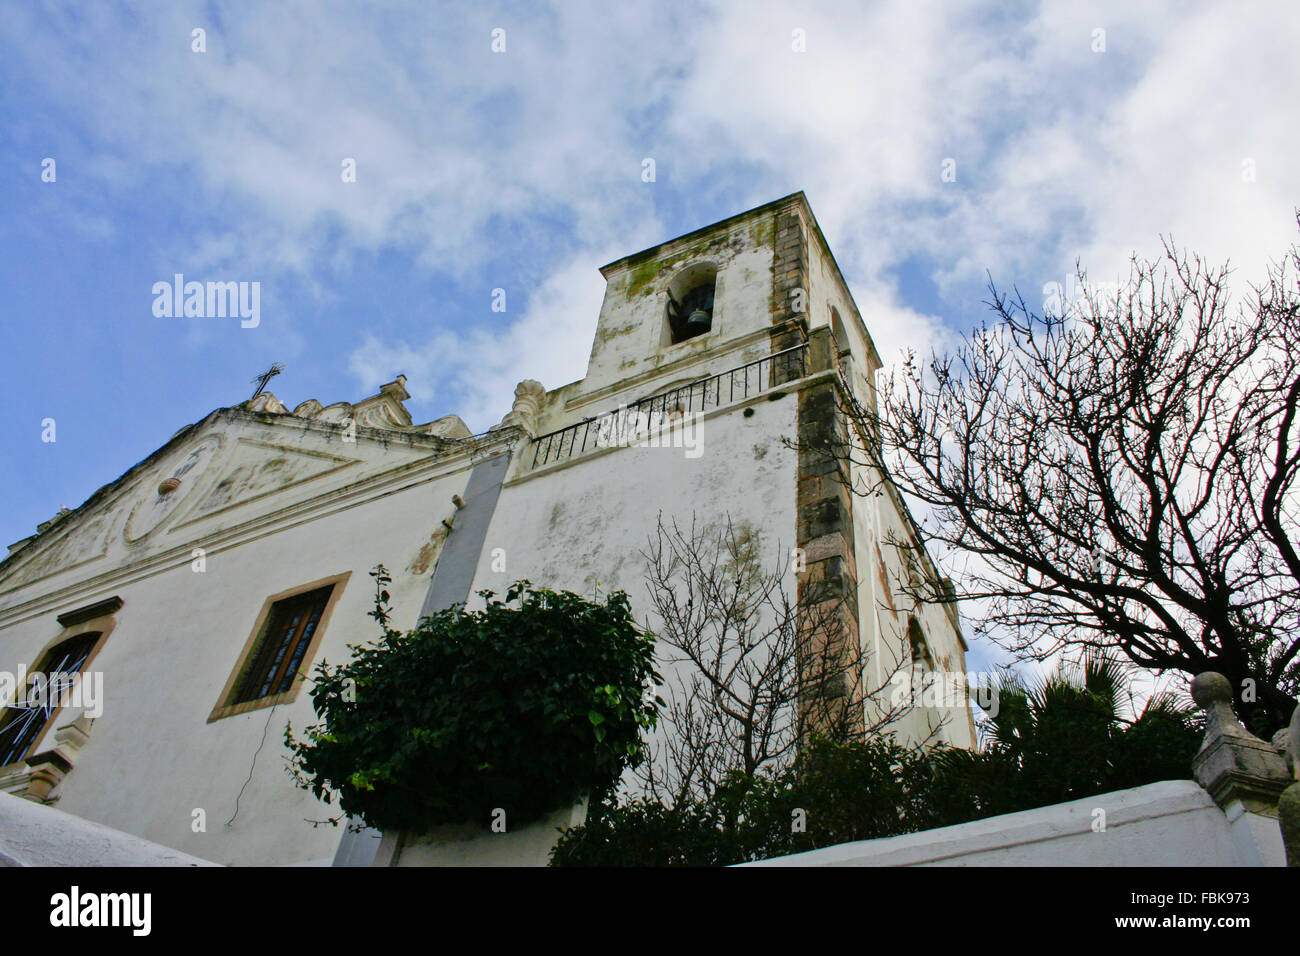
641	277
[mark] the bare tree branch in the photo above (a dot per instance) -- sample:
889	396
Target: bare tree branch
751	674
1119	475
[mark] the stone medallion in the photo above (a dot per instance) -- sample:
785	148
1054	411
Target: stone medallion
167	487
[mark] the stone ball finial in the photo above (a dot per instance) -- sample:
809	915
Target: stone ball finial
1234	765
1211	688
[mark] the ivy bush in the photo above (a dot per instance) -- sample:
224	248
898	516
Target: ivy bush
524	706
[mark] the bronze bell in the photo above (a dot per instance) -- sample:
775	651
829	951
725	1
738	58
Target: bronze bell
697	323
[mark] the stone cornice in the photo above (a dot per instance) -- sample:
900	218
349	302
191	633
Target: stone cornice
720	226
461	456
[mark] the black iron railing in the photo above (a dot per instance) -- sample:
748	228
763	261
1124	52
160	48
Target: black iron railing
644	416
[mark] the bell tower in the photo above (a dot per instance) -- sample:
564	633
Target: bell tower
690	307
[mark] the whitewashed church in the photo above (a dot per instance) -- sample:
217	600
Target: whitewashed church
192	591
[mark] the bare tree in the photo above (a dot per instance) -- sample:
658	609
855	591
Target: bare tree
1119	475
751	673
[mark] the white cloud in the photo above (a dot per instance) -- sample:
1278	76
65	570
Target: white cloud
1061	151
447	136
550	342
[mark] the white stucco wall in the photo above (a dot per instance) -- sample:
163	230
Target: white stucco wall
153	758
578	524
34	835
1173	823
476	845
885	608
585	525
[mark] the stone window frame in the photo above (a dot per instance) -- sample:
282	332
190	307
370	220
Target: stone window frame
225	706
98	617
677	288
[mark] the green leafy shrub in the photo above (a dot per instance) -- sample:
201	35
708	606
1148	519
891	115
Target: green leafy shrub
523	705
1061	740
646	833
1068	737
834	793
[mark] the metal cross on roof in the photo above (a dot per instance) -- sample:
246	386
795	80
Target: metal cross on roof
261	380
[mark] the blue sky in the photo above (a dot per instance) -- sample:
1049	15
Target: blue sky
522	170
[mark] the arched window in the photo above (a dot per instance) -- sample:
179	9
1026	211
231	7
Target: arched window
922	659
690	302
839	334
26	718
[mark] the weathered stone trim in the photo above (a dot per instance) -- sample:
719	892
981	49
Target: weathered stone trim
46	770
91	611
668	247
393	481
789	274
828	585
224	706
1234	765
